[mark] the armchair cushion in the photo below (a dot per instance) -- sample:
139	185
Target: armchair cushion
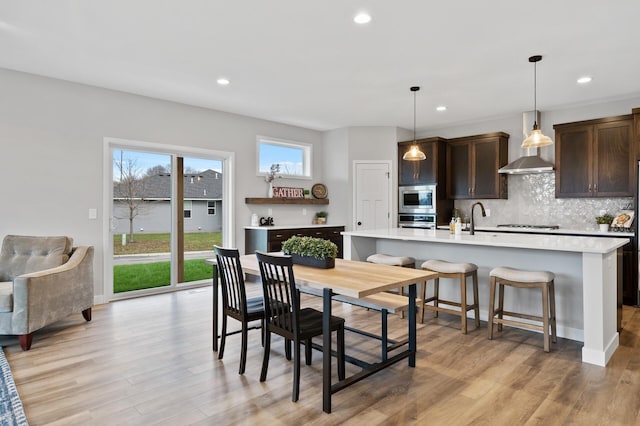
23	254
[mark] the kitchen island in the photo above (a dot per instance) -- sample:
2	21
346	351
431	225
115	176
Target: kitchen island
586	271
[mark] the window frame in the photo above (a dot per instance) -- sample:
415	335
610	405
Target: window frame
185	209
213	207
307	156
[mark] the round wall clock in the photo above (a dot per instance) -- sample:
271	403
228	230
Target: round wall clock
319	190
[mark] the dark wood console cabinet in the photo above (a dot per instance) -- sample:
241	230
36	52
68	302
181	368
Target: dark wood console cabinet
265	239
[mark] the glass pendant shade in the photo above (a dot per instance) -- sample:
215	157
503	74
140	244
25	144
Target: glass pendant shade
414	154
536	140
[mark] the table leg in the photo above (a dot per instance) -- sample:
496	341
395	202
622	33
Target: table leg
412	325
215	308
326	350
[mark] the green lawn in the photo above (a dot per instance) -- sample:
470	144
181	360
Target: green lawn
160	243
156	274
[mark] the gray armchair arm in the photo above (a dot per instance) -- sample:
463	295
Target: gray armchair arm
43	297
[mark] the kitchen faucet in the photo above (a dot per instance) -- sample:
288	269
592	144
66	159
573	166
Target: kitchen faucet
484	214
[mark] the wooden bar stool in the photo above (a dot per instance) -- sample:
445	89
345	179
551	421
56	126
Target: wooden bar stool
523	279
458	271
403	261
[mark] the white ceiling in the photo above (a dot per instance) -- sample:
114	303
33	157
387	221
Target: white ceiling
308	64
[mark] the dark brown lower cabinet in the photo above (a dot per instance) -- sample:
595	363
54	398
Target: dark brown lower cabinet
265	239
630	274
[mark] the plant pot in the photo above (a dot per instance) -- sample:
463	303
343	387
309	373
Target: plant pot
313	261
321	220
604	227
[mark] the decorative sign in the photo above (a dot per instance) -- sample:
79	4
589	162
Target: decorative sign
286	192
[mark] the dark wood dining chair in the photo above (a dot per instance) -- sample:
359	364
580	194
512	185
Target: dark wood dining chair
234	301
285	317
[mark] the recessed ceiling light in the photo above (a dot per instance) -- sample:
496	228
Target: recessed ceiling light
584	80
441	108
223	81
362	18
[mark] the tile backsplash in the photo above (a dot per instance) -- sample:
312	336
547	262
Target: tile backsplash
532	201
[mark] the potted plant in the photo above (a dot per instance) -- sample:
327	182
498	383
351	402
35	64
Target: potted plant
604	221
321	217
310	251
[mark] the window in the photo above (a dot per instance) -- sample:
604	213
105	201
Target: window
211	208
294	158
188	205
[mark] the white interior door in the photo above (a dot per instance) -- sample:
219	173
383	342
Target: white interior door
372	195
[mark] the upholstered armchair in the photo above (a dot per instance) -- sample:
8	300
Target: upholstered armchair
42	280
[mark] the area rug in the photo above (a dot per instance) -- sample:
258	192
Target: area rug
11	410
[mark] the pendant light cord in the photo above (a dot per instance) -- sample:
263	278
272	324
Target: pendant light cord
535	91
414	117
535	60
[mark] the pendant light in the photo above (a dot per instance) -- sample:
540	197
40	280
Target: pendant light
414	153
536	139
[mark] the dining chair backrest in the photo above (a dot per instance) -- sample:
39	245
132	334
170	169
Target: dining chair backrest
282	299
234	296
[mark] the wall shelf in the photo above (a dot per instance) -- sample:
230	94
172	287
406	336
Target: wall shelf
253	200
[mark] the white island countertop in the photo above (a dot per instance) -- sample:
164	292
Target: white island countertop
579	244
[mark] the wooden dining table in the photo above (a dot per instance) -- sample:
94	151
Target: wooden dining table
354	279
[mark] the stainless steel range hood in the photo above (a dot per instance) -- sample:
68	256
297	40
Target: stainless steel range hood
530	163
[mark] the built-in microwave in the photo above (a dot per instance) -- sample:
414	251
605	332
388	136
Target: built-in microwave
420	199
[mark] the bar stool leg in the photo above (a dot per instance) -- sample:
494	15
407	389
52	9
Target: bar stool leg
492	301
436	286
500	303
463	302
424	297
552	300
476	310
545	315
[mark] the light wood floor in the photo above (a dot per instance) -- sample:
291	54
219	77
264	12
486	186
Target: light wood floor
149	361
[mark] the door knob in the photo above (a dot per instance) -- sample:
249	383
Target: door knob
359	223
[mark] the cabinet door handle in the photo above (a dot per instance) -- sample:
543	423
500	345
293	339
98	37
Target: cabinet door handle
278	235
589	187
318	233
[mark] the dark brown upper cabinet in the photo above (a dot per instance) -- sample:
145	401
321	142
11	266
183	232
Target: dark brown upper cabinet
472	166
595	158
429	171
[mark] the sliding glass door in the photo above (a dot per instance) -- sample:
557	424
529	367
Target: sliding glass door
166	215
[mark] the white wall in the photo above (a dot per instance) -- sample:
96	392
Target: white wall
343	147
52	142
337	172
